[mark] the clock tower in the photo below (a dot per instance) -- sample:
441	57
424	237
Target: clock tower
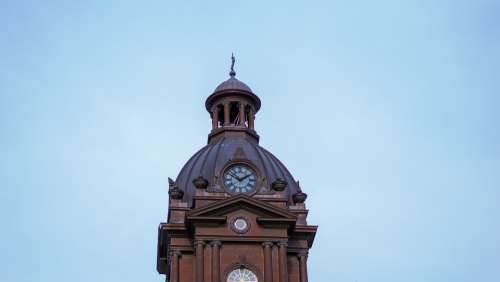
235	212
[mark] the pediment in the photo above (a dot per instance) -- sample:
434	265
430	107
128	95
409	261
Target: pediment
265	212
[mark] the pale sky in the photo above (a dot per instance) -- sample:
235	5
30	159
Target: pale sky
386	111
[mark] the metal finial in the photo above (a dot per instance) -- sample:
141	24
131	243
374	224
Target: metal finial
232	72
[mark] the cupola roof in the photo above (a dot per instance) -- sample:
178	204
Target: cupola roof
232	84
230	87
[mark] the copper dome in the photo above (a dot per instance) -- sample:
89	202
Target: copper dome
210	160
233	84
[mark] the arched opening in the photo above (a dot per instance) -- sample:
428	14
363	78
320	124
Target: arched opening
220	115
234	110
247	114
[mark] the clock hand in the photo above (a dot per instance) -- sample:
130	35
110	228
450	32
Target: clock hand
234	175
244	177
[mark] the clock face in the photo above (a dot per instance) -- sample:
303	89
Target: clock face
240	179
240	225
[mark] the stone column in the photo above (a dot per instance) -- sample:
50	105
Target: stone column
226	113
215	118
200	246
251	119
276	263
303	266
283	261
216	261
242	113
174	272
268	262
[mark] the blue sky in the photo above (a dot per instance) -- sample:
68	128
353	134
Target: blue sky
386	111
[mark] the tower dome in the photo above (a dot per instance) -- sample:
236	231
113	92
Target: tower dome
233	84
233	140
211	161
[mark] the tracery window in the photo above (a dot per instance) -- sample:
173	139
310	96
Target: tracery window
242	275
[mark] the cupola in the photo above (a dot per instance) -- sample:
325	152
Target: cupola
232	107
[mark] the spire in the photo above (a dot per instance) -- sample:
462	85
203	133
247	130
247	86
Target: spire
232	73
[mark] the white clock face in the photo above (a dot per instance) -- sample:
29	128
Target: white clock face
240	179
242	275
240	224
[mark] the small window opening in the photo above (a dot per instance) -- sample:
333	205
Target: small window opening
234	113
220	115
247	115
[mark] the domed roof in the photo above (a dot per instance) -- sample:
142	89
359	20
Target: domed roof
229	87
232	84
210	160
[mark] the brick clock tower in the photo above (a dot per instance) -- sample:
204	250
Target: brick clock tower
235	211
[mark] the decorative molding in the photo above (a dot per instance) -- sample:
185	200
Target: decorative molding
276	221
200	182
243	199
207	220
176	193
299	197
279	184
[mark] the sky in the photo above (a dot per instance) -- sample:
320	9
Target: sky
386	111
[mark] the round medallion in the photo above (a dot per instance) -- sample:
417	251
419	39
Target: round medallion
240	225
242	275
240	178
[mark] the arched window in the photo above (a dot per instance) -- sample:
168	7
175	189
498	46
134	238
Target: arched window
242	274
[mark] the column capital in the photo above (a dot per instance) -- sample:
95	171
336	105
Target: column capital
303	254
216	243
270	244
176	253
199	242
282	244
